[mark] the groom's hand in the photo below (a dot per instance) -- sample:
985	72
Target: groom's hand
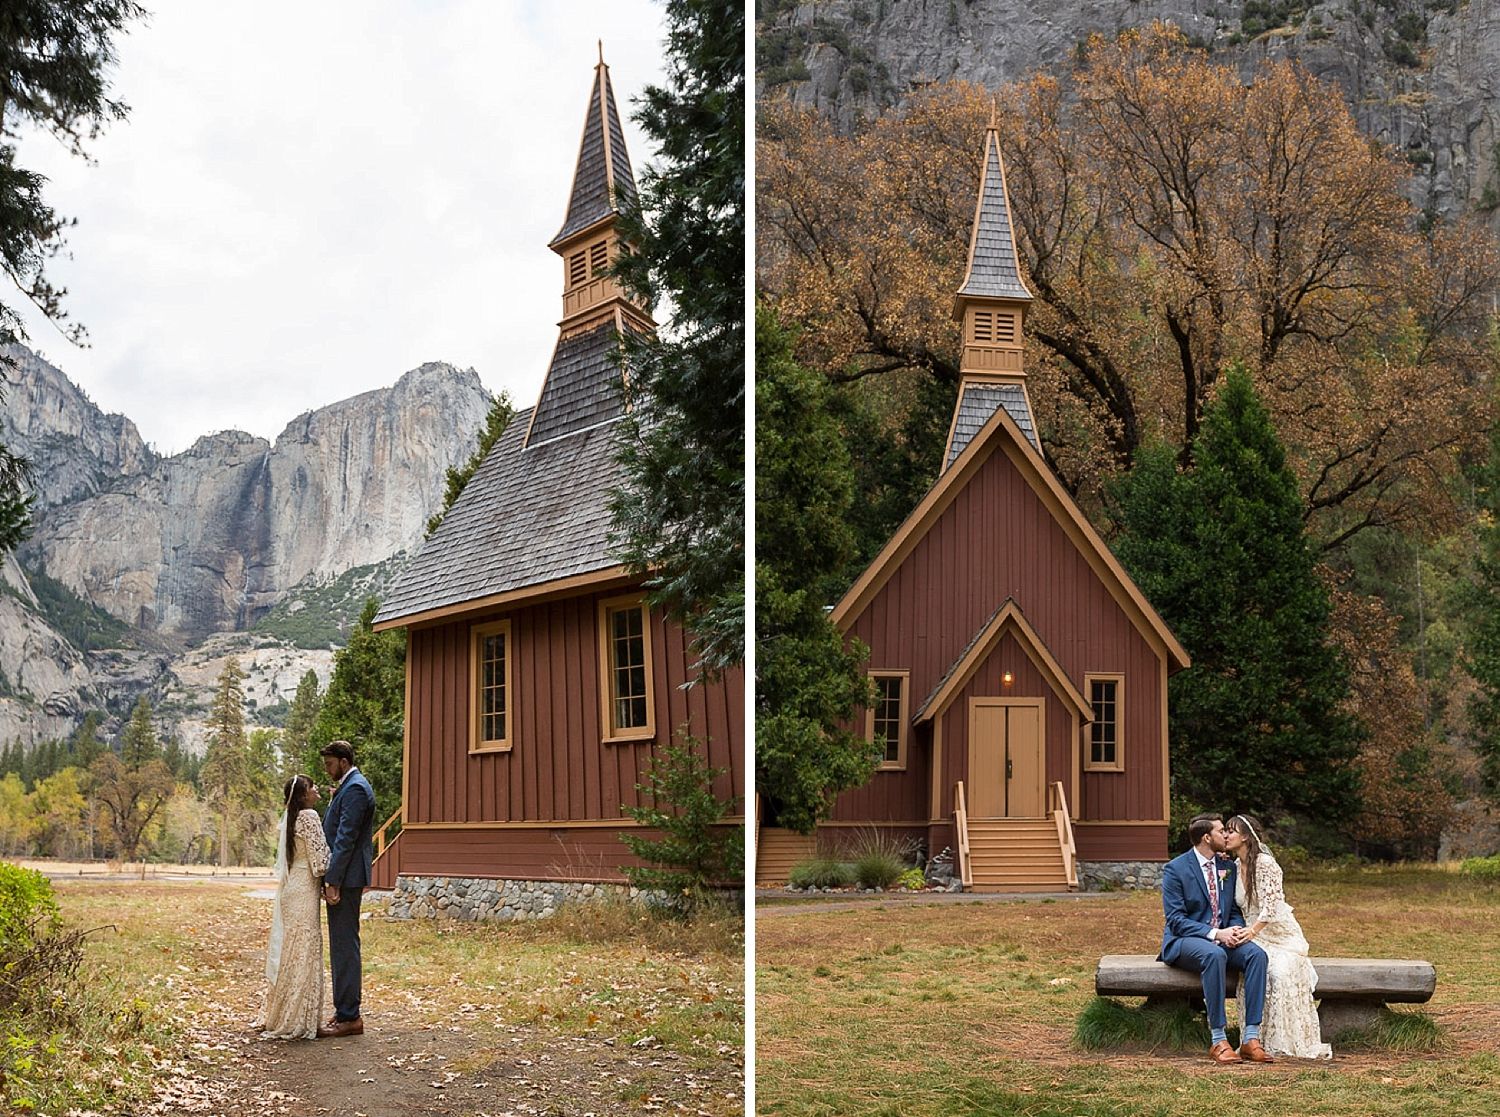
331	893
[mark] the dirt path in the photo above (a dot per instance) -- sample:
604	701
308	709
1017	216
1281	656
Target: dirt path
476	1066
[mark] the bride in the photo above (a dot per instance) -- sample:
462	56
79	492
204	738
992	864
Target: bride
294	955
1290	1026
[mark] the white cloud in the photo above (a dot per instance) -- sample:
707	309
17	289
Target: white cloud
309	199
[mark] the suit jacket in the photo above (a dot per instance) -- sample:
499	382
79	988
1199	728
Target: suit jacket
1185	903
348	825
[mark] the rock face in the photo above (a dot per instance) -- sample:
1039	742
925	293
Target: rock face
208	540
1422	77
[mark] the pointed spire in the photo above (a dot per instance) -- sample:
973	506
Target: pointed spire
993	271
603	184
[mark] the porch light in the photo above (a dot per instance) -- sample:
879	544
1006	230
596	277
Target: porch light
1007	678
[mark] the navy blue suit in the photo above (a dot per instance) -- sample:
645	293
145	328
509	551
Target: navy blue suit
1185	943
348	824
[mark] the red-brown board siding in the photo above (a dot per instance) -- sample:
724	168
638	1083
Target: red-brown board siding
1121	843
997	540
558	768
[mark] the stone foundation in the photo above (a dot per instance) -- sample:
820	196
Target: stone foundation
475	898
1117	876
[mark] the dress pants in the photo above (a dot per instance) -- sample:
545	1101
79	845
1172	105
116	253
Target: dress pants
343	952
1211	960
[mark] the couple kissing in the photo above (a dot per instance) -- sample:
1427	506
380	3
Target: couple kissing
1225	907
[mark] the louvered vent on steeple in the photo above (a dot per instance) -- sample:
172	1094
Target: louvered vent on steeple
991	305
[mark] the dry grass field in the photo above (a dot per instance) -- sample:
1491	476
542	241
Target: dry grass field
599	1011
969	1010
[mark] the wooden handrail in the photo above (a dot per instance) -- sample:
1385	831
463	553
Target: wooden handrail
961	824
386	825
1065	834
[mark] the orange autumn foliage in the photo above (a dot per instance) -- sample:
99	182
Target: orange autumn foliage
1170	220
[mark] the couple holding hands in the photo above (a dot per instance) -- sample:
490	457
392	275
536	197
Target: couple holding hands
326	858
1225	908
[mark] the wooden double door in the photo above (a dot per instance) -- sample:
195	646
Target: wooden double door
1007	758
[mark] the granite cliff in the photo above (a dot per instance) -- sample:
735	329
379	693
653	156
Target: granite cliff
178	549
1423	77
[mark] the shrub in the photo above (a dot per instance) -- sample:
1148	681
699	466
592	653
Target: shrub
1485	868
27	907
695	852
878	869
821	872
913	880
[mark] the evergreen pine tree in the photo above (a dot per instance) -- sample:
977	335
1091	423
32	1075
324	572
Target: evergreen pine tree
226	762
809	684
1220	551
53	63
139	743
1482	599
86	744
501	412
297	734
365	705
680	514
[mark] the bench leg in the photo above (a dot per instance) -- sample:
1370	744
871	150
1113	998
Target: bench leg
1336	1016
1172	1000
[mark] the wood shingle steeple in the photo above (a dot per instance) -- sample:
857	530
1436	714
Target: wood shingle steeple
991	304
582	389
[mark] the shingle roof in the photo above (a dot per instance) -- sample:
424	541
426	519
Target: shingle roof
529	515
602	182
993	270
582	388
976	403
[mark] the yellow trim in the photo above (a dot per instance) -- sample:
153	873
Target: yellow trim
902	719
937	769
478	743
1118	764
1009	617
530	595
608	733
1067	514
1166	744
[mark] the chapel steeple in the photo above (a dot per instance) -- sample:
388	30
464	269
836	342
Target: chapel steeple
603	190
583	389
991	305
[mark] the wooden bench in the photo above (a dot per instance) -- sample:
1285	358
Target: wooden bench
1350	991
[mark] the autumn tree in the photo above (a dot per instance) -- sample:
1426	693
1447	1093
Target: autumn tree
226	763
133	785
1220	550
809	683
1407	771
1171	219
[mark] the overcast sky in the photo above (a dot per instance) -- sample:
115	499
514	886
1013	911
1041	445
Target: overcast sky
307	200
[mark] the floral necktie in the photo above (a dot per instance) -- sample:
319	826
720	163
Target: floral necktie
1213	890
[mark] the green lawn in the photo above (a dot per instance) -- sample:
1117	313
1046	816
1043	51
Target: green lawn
968	1010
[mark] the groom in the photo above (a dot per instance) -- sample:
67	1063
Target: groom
346	824
1205	934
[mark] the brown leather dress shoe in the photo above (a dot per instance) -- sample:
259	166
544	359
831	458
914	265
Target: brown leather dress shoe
1252	1051
1221	1052
355	1027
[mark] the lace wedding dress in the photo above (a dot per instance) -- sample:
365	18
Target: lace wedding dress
294	957
1290	1026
